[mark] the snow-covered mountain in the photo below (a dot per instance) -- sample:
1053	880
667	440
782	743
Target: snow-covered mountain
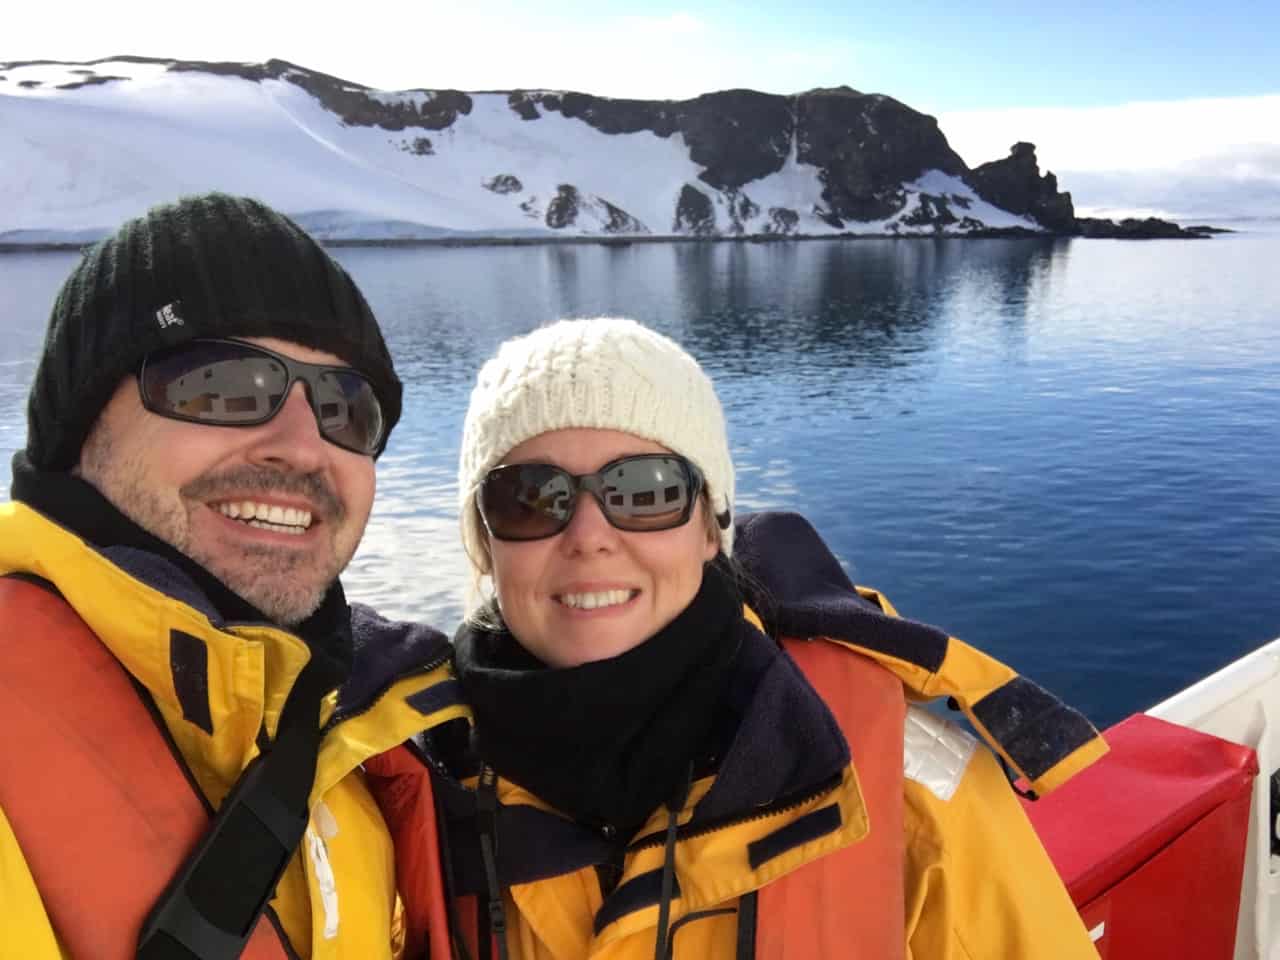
84	146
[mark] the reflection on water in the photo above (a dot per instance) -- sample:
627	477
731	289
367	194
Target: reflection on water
1065	452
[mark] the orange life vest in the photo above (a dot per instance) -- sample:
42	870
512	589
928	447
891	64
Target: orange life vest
105	815
100	806
848	904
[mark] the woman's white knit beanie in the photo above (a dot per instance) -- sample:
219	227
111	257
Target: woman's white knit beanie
605	373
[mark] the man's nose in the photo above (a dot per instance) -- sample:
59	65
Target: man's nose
292	436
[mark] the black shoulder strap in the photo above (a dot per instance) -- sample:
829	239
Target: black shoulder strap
748	905
210	909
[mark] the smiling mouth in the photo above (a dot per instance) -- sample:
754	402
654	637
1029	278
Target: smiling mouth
264	516
596	600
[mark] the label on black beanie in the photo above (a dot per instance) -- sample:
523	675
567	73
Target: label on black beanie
170	315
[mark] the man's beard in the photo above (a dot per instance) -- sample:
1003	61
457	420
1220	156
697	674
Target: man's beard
273	579
287	584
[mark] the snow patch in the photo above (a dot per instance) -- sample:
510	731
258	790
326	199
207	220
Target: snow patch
39	79
965	202
397	98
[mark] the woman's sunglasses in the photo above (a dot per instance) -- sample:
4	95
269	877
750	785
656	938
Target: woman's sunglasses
230	383
530	501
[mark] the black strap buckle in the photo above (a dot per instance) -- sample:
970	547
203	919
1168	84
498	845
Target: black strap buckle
176	915
177	918
487	823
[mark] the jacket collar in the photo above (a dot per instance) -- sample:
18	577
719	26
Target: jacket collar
76	505
809	595
785	793
220	686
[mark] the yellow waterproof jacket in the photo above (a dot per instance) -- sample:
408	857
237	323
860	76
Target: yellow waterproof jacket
765	859
337	898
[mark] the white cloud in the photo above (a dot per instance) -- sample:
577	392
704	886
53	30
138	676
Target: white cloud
1201	158
1170	135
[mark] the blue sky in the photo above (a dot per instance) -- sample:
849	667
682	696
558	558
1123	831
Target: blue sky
1074	54
937	55
1179	89
967	56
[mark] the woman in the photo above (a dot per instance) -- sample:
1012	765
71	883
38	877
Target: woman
649	768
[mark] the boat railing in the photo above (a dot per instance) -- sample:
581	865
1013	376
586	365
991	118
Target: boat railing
1241	703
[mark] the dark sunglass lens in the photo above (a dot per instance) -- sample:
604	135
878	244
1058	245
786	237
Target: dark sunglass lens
349	412
526	501
223	383
647	493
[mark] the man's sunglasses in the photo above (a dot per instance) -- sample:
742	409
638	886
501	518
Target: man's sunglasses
530	501
230	383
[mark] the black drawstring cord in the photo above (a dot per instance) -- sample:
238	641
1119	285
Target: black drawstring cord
457	944
487	820
668	871
674	806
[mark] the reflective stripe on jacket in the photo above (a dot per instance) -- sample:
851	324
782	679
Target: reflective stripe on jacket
216	688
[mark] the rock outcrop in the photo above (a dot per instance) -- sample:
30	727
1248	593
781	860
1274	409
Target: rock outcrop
1133	228
694	213
1015	184
571	208
504	183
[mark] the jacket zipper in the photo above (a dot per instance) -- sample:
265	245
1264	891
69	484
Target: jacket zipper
341	716
792	803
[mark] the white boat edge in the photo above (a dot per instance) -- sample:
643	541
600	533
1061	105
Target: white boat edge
1241	703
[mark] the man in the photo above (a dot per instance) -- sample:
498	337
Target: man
203	424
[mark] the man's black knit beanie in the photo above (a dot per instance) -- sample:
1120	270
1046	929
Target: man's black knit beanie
208	266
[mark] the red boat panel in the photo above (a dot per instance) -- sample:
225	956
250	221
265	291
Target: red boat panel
1150	840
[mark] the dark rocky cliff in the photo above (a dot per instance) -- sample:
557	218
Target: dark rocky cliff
865	145
1015	184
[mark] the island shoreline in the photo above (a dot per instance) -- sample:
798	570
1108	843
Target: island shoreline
995	233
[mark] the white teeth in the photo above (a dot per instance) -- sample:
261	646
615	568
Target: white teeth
267	516
297	518
593	601
277	527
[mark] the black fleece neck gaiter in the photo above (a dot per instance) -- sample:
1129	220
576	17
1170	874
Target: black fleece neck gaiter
606	742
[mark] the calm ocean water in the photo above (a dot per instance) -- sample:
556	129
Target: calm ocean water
1064	452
